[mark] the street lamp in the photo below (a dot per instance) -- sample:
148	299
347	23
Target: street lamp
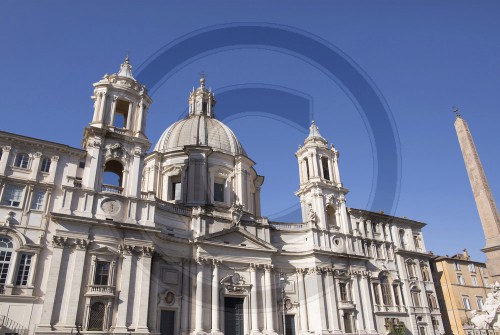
283	284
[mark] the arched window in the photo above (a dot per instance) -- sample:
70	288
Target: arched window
324	165
113	177
6	250
45	166
22	160
96	317
386	291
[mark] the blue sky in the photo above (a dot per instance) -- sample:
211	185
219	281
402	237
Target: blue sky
424	58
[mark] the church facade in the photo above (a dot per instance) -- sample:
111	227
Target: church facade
116	239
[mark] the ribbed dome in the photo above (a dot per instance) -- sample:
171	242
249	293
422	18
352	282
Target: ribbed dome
200	130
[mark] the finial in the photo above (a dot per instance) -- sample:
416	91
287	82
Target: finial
126	68
202	79
455	110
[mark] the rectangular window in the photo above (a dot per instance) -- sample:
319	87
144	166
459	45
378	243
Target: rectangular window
5	257
45	166
456	266
23	270
121	114
416	298
461	280
474	280
375	294
38	200
176	191
343	292
480	303
466	302
472	268
411	269
379	251
218	192
101	273
324	165
396	294
13	195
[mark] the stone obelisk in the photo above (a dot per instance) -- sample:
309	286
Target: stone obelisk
485	203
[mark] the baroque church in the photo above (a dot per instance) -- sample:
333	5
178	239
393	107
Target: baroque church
175	242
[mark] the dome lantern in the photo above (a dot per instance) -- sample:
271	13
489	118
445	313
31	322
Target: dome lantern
201	100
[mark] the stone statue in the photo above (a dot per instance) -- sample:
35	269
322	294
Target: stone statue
311	214
236	213
491	309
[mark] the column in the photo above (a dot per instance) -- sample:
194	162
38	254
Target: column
360	323
144	288
125	278
186	283
331	308
53	169
304	326
97	104
316	313
134	187
35	166
199	296
55	267
138	126
76	286
102	107
367	307
5	159
335	310
269	298
215	297
254	305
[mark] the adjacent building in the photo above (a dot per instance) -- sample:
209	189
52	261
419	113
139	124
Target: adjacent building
115	238
462	285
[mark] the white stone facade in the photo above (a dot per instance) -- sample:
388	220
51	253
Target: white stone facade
177	245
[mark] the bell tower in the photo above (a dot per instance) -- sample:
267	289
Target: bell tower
115	139
322	196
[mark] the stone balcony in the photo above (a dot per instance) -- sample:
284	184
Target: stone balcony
100	290
111	189
389	309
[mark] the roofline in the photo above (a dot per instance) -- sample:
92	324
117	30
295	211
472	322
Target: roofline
45	142
438	258
388	217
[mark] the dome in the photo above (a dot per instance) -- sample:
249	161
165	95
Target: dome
200	127
200	130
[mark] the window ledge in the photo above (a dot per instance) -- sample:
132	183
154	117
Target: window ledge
20	169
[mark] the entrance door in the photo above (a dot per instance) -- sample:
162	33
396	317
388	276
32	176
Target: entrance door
290	325
167	322
233	316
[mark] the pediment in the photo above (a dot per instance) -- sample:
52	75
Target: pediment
105	250
236	237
